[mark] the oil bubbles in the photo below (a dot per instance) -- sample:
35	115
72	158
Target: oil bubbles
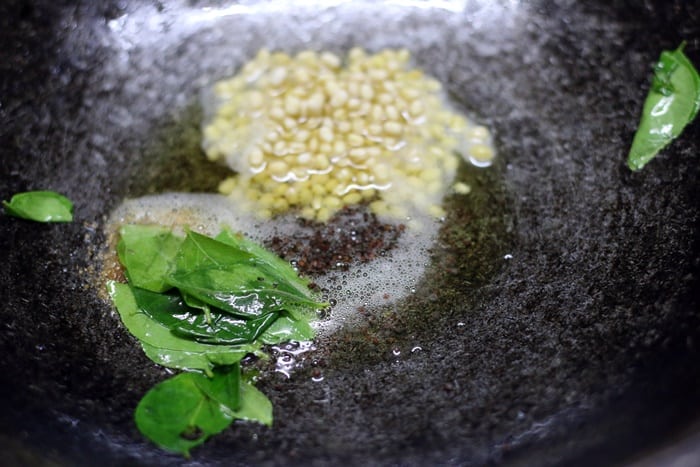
290	356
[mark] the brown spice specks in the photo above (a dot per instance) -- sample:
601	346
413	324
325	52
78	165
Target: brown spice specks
353	235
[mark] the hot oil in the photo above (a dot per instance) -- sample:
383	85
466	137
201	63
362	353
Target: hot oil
472	246
173	160
384	307
400	300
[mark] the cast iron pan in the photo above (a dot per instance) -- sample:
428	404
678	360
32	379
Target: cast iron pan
580	350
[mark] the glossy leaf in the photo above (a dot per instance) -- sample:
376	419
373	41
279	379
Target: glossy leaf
282	274
255	406
204	359
224	299
224	329
167	349
243	291
200	251
40	206
183	411
171	311
147	253
167	309
287	328
284	271
672	103
239	277
196	303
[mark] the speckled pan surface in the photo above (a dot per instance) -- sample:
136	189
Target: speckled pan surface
580	349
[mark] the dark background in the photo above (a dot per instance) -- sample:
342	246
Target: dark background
581	350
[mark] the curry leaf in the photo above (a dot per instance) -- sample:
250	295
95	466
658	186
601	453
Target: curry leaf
166	309
672	103
167	349
183	411
224	386
204	359
147	253
40	206
196	303
225	298
287	328
283	269
239	277
255	406
200	251
171	311
243	291
224	329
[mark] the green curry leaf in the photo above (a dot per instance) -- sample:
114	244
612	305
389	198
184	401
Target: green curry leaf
672	103
255	406
171	311
239	277
224	329
199	303
200	251
242	291
164	347
287	328
183	411
283	270
202	358
40	206
147	253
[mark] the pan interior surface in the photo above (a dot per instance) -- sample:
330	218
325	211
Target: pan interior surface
556	323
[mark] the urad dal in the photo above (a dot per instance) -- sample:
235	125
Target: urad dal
313	134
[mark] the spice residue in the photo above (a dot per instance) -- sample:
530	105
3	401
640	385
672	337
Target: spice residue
353	235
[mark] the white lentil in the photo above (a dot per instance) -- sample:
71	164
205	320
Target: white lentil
305	133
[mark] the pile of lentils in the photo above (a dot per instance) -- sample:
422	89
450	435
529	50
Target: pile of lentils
313	133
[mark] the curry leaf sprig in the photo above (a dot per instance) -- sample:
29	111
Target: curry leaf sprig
198	303
672	103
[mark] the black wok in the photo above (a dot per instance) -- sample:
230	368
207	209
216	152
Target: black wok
580	350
